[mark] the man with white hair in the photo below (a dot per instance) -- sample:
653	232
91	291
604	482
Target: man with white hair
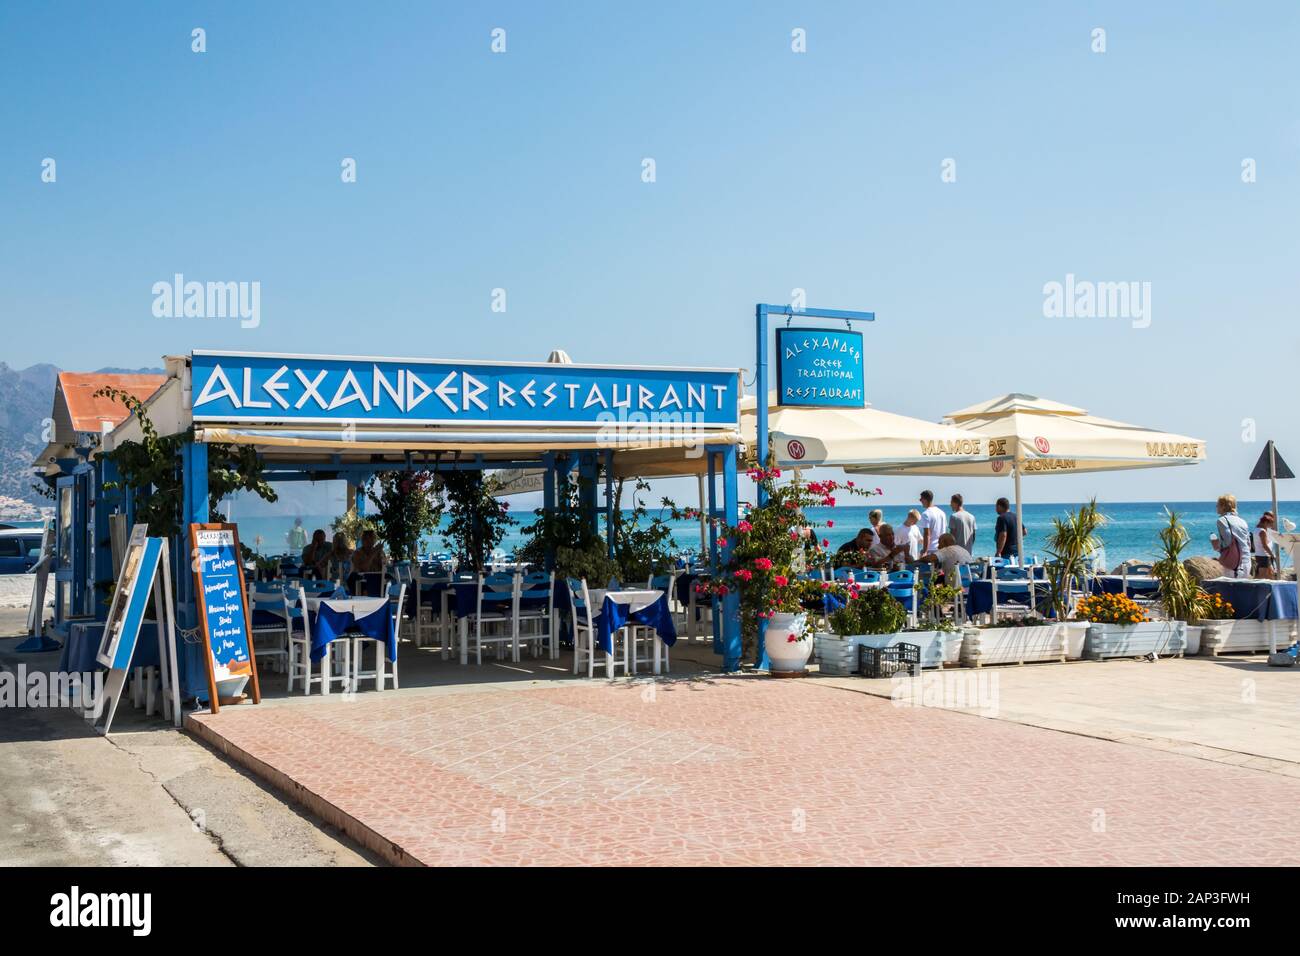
908	536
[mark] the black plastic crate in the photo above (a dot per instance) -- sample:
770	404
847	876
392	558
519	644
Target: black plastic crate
888	661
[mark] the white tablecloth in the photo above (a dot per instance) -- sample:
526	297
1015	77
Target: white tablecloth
358	607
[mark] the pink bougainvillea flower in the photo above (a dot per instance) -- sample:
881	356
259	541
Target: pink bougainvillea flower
794	535
744	526
791	639
830	524
722	542
849	483
763	564
781	580
744	574
825	543
879	492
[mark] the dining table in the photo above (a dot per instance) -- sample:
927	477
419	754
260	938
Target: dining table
343	617
632	607
1132	585
1260	599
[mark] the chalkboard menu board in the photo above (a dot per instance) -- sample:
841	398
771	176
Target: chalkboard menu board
222	601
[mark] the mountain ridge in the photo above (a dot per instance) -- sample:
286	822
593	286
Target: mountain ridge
26	400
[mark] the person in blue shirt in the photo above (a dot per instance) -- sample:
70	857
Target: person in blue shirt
1232	539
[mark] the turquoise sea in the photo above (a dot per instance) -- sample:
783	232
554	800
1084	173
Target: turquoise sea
1131	531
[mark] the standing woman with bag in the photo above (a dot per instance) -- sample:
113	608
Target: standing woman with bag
1232	540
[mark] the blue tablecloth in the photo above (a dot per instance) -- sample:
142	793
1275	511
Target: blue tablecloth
464	600
329	624
1113	584
980	599
685	583
464	596
614	615
79	650
1260	600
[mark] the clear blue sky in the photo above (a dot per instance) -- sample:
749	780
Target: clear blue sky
775	171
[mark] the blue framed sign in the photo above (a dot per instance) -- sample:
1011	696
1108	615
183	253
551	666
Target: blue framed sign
820	368
242	387
223	611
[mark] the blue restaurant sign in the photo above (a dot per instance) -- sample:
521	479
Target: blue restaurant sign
819	367
232	386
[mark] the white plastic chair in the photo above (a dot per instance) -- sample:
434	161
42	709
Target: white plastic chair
270	638
299	661
396	605
584	633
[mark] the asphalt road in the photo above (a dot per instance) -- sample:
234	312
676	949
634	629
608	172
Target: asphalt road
148	795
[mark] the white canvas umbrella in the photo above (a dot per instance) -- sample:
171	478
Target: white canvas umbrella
1030	435
817	437
824	437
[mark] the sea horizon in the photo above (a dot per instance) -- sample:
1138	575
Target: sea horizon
1131	531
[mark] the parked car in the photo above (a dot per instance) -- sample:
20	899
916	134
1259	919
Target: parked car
20	549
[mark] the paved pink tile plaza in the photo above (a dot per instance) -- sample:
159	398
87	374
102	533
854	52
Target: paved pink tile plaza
743	771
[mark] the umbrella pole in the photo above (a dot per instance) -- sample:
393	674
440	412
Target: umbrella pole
1020	537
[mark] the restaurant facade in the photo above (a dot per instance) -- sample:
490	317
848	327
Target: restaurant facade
342	417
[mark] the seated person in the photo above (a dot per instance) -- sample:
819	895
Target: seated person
316	556
888	555
367	560
340	555
860	543
949	556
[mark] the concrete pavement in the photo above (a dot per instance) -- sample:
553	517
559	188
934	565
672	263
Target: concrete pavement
1231	709
147	795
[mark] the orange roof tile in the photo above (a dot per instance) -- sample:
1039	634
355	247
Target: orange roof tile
87	412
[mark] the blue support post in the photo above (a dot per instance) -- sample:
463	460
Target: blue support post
548	498
761	314
609	501
105	500
715	618
588	493
194	510
731	638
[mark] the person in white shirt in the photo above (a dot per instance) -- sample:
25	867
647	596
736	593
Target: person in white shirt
933	523
886	553
908	536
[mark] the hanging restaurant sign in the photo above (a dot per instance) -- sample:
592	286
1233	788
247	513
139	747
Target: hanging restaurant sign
819	367
300	388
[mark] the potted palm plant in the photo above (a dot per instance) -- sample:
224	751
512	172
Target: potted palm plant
1053	637
1180	593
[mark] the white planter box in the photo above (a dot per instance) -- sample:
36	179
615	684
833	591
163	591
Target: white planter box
1248	635
1194	632
937	647
1166	638
835	655
1016	645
